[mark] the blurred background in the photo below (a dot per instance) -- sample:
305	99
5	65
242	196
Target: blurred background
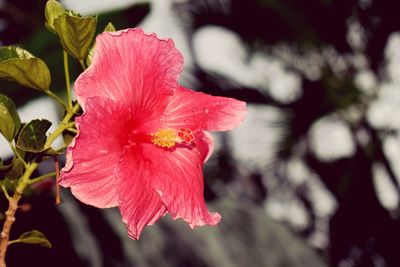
311	178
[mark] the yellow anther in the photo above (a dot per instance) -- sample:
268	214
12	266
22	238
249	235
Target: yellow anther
165	138
169	137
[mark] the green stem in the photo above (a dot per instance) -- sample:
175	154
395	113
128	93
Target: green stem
42	177
55	97
13	241
5	192
23	182
72	130
82	64
61	148
63	125
67	79
15	150
12	208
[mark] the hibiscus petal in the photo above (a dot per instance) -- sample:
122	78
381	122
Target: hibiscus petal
177	178
199	111
139	204
95	153
133	68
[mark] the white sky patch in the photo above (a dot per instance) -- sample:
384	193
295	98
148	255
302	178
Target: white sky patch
382	110
83	240
360	61
381	113
163	21
297	171
363	137
386	192
275	209
282	205
366	81
324	205
308	63
392	55
113	217
221	51
323	201
355	35
290	210
5	150
336	61
286	208
331	139
319	239
40	108
282	85
90	7
297	215
285	87
391	148
254	141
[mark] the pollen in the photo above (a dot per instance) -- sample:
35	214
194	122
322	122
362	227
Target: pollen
170	137
186	135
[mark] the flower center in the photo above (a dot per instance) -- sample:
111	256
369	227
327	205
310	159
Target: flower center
170	137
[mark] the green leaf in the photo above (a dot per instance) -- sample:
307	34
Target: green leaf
52	11
4	167
32	137
9	119
51	152
68	137
19	65
8	184
76	33
33	237
109	28
15	170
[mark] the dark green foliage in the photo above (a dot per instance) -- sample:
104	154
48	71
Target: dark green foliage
9	119
32	137
33	237
19	65
76	33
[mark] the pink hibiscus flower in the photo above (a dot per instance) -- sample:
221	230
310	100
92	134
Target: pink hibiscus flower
142	138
